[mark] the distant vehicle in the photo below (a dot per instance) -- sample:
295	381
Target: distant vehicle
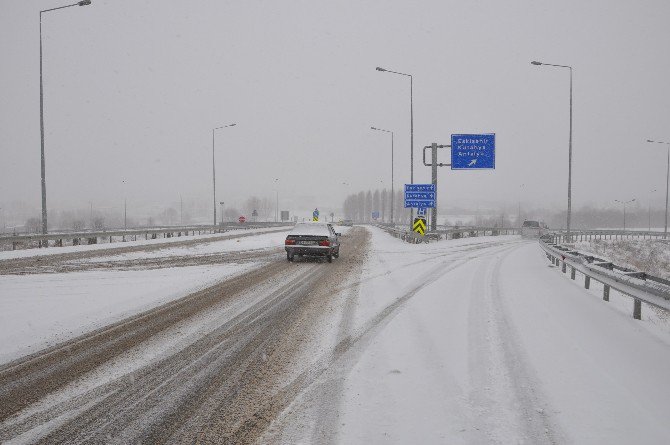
313	239
347	222
533	229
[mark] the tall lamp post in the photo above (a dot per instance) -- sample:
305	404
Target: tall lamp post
649	208
214	167
277	201
411	127
43	168
667	185
569	146
624	210
389	131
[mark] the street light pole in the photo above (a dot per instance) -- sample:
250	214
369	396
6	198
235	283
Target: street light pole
214	168
277	200
649	209
389	131
411	127
667	186
624	210
569	147
42	164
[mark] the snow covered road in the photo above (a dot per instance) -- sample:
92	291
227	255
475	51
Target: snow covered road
459	343
477	340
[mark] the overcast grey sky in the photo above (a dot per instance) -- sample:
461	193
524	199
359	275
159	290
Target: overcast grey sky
134	88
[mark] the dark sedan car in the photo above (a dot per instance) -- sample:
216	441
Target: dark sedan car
313	239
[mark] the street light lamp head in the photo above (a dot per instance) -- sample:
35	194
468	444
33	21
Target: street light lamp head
380	69
84	2
535	63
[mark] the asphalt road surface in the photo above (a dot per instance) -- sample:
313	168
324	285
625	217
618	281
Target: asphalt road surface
219	375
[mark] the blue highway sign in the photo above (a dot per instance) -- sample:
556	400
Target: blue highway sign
473	151
419	188
420	196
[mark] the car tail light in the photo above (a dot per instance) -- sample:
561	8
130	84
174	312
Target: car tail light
289	242
324	242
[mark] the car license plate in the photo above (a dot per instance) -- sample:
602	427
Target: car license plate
307	243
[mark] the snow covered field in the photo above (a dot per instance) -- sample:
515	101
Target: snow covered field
651	256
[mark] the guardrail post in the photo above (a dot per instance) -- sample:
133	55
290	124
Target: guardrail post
572	273
587	281
563	268
14	244
606	292
637	309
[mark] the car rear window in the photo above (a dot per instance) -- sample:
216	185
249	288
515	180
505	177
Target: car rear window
310	229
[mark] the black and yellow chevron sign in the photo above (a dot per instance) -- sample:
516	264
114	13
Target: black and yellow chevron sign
419	225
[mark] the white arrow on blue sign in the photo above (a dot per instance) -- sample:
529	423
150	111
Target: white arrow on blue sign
473	151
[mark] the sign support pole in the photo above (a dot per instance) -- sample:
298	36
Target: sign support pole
433	212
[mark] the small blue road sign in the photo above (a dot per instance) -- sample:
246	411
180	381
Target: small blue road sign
421	211
375	215
419	188
473	151
315	215
420	195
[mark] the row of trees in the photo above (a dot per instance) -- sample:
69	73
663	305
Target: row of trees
360	207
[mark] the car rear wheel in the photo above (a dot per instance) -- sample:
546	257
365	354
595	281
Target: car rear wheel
289	256
330	257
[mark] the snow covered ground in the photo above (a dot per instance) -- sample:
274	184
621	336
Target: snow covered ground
496	346
481	340
651	256
475	340
37	311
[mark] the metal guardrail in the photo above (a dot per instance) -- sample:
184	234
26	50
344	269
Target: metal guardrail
454	233
75	238
638	285
560	236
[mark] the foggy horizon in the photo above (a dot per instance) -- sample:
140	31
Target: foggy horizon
132	91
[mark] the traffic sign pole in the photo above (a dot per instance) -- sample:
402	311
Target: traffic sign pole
433	212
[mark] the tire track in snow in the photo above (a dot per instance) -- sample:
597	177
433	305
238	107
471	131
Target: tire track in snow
316	382
505	397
